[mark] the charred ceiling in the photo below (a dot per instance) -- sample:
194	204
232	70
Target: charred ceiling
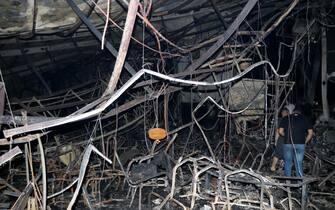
161	104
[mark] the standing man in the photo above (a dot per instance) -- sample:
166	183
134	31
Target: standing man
297	131
278	154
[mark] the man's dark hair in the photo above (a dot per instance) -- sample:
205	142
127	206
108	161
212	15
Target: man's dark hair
298	108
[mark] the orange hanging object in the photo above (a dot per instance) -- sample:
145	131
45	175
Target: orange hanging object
157	133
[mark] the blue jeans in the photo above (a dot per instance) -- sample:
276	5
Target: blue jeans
297	154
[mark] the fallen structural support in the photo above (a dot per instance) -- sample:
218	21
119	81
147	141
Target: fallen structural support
9	155
119	92
120	59
20	120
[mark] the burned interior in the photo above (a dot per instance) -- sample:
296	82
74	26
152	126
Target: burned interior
167	104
